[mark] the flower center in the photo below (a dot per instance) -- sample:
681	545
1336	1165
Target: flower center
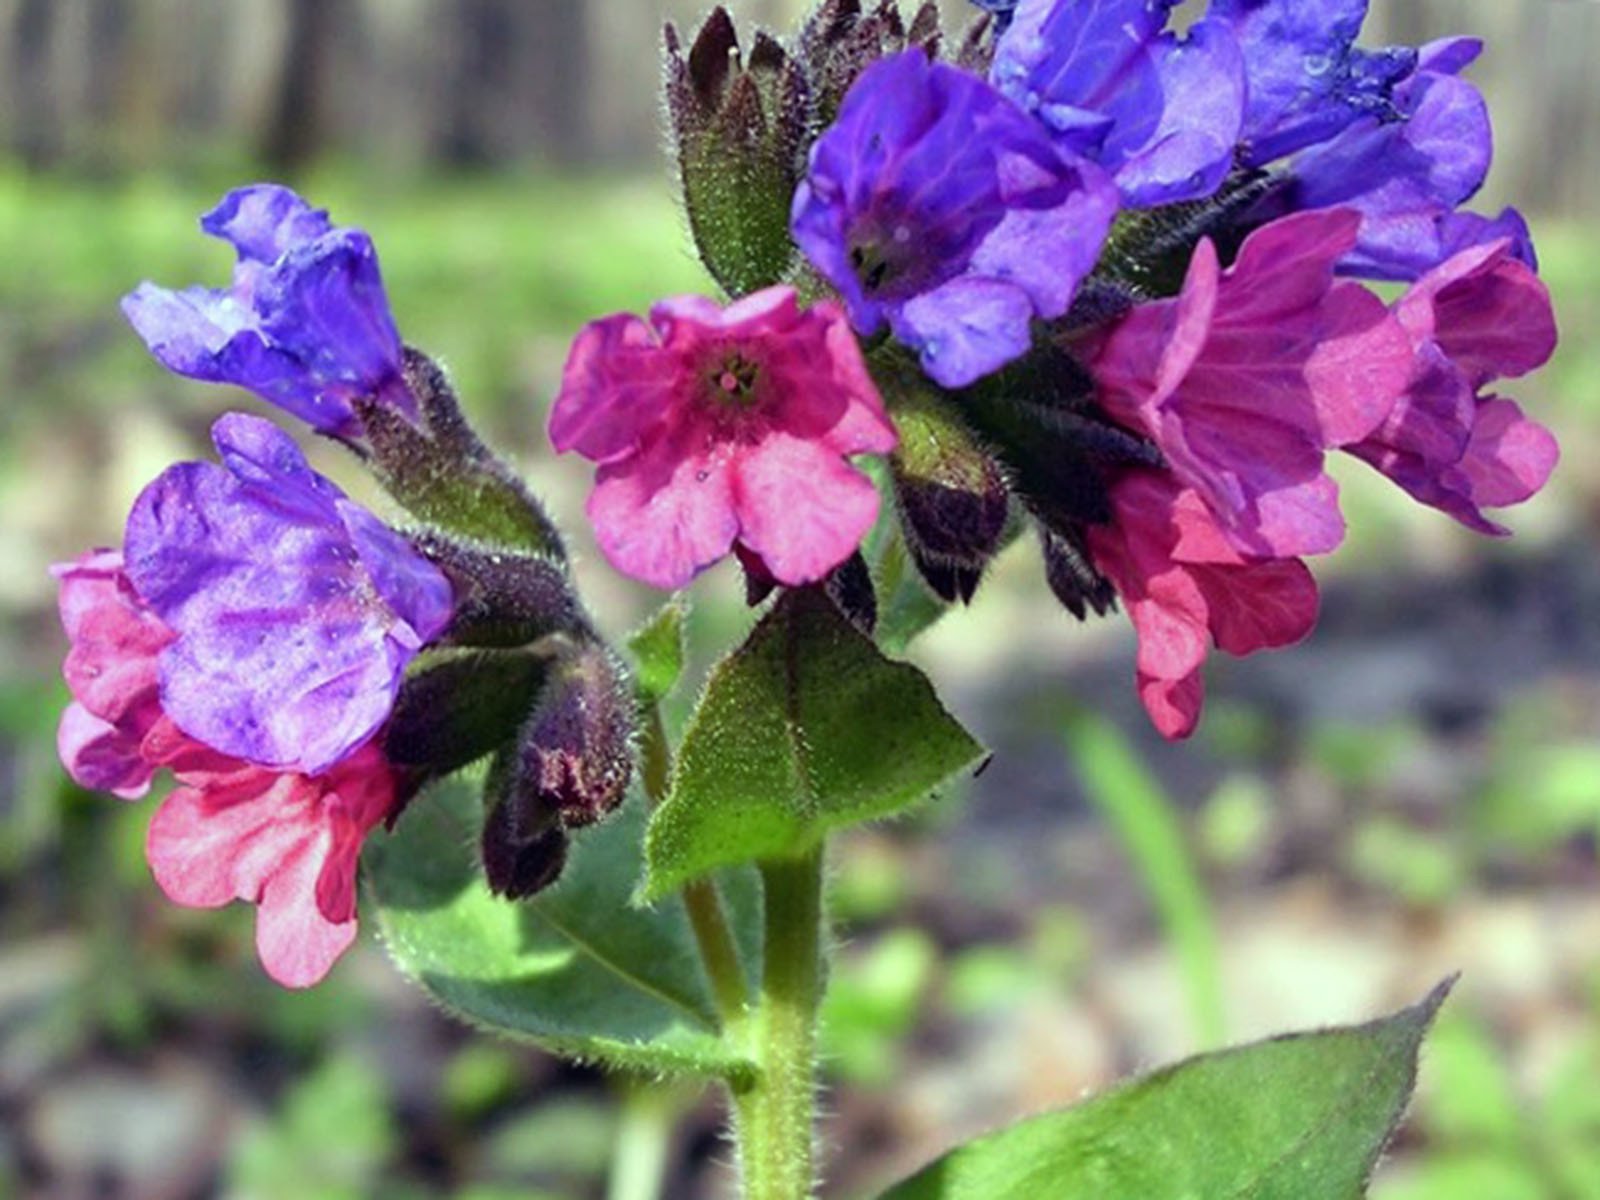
733	380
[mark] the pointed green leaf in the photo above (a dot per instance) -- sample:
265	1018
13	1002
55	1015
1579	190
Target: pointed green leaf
805	728
575	969
1302	1117
659	651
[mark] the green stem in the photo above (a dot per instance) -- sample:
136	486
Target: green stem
775	1116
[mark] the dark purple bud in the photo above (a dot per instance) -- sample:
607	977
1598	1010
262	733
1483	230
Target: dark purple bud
840	41
458	706
849	586
524	848
951	493
575	755
714	58
1072	577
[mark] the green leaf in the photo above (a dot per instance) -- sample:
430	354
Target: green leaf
1302	1117
804	729
576	969
658	649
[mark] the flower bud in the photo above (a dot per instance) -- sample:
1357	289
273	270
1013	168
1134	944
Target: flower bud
739	129
1073	578
574	757
457	706
951	493
840	41
504	598
524	847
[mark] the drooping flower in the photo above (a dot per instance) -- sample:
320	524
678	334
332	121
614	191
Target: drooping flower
304	324
938	206
1251	374
714	426
1407	171
284	841
1186	588
1306	78
1479	317
293	610
1161	113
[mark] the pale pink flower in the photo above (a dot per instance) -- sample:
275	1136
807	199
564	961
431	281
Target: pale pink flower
718	426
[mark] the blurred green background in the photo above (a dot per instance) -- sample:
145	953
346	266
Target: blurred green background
1414	791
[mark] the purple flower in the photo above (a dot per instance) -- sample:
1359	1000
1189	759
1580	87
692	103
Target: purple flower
1162	114
305	323
1307	80
937	205
1406	175
295	610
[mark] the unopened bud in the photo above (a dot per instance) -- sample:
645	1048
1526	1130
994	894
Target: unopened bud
524	848
952	495
840	41
575	756
740	130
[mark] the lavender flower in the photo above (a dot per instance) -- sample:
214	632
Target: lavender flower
1307	80
295	610
304	324
936	205
1163	114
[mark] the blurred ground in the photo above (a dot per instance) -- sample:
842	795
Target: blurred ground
1414	791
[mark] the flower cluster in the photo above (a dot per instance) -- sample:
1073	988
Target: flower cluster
299	666
1106	276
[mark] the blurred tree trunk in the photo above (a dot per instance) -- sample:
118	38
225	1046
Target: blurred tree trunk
36	123
297	125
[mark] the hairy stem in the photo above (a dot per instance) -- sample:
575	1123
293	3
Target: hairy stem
776	1115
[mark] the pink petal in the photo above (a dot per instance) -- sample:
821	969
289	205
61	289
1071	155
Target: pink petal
100	756
222	840
297	945
1260	605
801	507
1173	704
664	514
616	387
1509	457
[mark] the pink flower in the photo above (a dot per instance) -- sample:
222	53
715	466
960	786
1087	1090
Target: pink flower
1187	587
714	426
286	842
1248	376
1480	316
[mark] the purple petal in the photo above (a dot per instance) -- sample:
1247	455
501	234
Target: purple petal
292	634
265	221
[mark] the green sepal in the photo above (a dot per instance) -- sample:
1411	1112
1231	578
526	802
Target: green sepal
575	970
805	729
440	471
1300	1117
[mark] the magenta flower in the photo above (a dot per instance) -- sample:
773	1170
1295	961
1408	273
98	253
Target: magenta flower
720	426
1187	588
1481	316
286	842
1251	374
294	610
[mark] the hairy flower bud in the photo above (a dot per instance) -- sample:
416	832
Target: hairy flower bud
524	847
841	40
951	492
739	128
